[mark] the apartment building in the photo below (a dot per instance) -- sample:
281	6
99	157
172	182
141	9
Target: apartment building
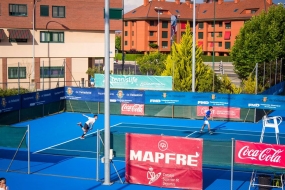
44	41
217	23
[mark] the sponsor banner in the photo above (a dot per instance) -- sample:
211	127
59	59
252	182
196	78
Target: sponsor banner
139	82
41	97
214	99
132	109
176	98
158	161
220	112
76	93
275	90
260	154
10	103
98	95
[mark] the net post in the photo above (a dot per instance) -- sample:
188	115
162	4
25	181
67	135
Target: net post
97	162
17	151
232	163
29	153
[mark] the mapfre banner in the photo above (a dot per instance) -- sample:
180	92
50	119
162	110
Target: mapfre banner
260	154
220	112
164	161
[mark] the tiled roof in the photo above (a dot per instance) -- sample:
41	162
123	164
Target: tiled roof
205	11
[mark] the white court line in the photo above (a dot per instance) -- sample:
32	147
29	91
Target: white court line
62	143
192	133
125	126
72	150
72	139
153	125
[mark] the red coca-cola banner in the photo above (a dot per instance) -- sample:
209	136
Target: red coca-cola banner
164	161
260	154
132	109
220	112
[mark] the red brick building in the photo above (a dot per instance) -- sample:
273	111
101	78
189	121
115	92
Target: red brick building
217	23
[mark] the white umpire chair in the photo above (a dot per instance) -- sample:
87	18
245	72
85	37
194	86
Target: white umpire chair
268	122
271	122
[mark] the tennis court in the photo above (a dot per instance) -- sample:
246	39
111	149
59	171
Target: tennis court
58	154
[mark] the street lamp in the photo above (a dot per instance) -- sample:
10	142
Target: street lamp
194	46
33	65
158	9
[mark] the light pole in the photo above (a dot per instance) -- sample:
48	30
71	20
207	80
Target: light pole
158	9
194	47
33	65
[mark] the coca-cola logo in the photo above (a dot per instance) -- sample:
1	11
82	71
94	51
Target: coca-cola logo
137	108
268	154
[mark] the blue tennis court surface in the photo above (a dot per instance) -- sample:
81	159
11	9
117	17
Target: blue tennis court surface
61	160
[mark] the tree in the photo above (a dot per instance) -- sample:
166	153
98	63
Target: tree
261	39
118	43
227	87
179	65
152	63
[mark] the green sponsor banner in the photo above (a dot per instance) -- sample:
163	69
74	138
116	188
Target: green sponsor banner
139	82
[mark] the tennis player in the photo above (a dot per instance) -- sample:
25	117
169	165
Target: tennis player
206	120
88	124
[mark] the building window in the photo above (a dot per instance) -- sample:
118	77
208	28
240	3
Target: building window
228	25
17	10
212	34
164	34
200	35
17	40
201	25
52	72
54	37
126	33
164	24
253	11
13	72
220	34
220	24
133	33
164	44
133	43
227	45
126	43
151	23
151	33
126	23
44	10
133	23
220	44
58	11
212	24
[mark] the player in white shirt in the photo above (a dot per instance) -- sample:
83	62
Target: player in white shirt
88	124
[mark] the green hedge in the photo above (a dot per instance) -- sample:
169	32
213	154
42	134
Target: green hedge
133	57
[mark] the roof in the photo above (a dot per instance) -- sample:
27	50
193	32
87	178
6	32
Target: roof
205	11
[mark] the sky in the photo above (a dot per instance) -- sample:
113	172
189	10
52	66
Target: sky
132	4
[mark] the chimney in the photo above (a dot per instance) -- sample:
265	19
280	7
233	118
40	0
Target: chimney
191	5
269	2
220	1
177	2
145	2
187	2
237	1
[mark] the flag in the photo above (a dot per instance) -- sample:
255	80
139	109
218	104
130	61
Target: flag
173	26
